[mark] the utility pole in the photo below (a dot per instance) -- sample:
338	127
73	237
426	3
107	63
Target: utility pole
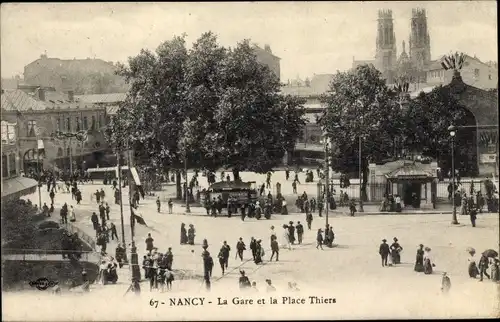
134	259
327	178
186	192
70	157
360	177
39	170
118	166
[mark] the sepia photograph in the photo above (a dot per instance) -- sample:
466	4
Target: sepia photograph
226	161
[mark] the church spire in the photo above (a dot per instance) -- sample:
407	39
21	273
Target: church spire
404	47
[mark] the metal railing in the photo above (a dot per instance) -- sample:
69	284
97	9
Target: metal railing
48	255
89	240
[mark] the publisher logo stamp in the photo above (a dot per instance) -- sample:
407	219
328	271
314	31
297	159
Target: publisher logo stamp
43	283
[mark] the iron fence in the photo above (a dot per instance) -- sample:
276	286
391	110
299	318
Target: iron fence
81	234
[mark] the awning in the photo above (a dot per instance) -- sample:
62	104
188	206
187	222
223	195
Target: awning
412	171
18	186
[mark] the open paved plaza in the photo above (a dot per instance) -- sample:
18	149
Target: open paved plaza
351	271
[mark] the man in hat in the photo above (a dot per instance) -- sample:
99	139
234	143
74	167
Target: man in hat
169	259
384	251
300	232
319	239
240	247
224	256
445	283
291	233
275	249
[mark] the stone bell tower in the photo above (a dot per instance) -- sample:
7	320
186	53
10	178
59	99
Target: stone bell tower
420	43
386	56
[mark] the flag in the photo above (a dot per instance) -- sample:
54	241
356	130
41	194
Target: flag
138	218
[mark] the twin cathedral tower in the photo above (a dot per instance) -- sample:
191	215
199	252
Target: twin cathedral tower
412	65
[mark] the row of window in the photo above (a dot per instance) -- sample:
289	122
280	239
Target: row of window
8	165
66	124
437	73
440	73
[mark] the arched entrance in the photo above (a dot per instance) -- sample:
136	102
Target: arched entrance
33	161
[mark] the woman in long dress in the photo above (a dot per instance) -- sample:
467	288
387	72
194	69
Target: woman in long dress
419	261
286	238
395	250
472	269
427	261
184	238
72	216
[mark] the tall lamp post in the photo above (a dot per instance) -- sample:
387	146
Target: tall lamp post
326	142
186	191
360	177
453	131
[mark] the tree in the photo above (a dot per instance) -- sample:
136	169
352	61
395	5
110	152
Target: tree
426	120
208	107
359	104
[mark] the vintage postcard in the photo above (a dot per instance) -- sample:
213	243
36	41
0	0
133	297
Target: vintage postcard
249	160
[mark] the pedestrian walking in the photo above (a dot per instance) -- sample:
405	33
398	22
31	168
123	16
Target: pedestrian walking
158	204
319	239
113	232
240	247
253	247
309	219
384	252
300	232
275	249
170	206
149	243
108	210
224	256
473	216
483	267
95	221
445	283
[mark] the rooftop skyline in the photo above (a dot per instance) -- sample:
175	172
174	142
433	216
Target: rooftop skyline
310	38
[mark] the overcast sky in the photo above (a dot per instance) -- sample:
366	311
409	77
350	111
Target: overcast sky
317	37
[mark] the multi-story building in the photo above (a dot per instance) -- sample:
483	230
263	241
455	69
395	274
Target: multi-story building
84	76
309	148
266	57
13	184
39	113
474	72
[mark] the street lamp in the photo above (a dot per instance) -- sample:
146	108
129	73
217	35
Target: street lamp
326	143
186	191
453	131
360	177
81	136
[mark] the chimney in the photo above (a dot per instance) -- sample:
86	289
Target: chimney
71	96
41	94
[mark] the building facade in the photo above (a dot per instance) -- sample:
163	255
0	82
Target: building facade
474	72
41	112
14	184
266	57
83	76
310	147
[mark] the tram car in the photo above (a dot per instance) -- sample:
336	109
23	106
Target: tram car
244	192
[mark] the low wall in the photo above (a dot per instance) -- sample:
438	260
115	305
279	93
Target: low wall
17	274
